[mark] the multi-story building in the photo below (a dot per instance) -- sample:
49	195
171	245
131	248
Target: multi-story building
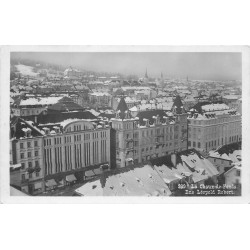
27	151
150	134
71	73
56	150
100	98
213	125
35	105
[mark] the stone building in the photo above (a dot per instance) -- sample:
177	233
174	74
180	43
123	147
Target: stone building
212	125
150	134
57	150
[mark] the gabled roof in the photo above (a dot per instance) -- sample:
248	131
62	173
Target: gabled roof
19	126
198	106
149	114
60	116
122	108
178	105
128	181
65	105
230	152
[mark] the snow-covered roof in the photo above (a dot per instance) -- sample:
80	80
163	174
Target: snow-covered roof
143	181
215	107
232	97
95	113
234	156
99	94
68	121
40	101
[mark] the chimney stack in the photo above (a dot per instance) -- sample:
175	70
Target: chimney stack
173	159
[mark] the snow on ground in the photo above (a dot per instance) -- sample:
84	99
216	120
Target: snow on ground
26	70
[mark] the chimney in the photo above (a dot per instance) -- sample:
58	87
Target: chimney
173	159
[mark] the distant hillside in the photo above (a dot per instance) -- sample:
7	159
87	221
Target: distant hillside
26	70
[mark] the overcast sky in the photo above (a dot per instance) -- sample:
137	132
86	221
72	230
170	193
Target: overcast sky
195	65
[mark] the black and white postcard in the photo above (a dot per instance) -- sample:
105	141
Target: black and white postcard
125	123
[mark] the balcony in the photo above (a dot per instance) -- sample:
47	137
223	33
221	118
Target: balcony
159	135
129	139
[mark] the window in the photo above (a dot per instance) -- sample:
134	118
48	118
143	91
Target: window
23	165
21	145
199	145
29	154
23	177
29	144
238	172
189	143
30	175
22	155
194	144
36	143
37	174
30	164
36	153
36	163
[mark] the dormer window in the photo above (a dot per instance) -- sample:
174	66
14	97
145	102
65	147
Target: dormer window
127	115
46	130
117	116
56	129
28	133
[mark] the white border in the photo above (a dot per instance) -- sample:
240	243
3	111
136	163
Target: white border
4	124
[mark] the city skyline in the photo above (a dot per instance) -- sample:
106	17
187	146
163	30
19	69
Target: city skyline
215	66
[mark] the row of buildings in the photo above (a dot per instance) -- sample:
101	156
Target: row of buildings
60	147
64	144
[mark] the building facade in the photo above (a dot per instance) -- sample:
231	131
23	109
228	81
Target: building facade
213	125
74	148
57	154
27	150
151	134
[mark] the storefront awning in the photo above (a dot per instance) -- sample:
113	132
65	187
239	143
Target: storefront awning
38	185
98	171
50	183
89	173
70	178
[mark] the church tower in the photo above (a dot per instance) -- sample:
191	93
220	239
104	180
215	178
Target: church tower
146	74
